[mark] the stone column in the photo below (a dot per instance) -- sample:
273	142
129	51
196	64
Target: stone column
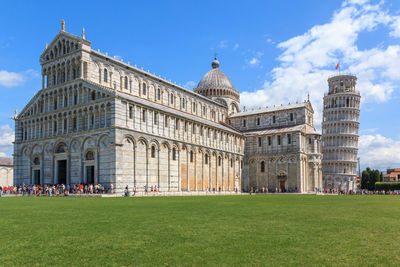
179	169
169	169
105	116
88	120
148	150
187	169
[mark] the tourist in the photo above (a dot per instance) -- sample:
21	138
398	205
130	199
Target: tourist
127	191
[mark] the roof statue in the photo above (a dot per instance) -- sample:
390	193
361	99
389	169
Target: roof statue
63	25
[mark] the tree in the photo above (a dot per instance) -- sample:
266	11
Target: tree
369	178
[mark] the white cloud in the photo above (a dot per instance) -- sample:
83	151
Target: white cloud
395	28
353	2
269	41
379	152
190	84
6	139
235	47
309	59
253	61
12	79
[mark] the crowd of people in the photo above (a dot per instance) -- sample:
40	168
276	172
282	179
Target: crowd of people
90	189
56	189
331	191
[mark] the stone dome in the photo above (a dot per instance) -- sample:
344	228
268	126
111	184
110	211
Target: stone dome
215	79
216	83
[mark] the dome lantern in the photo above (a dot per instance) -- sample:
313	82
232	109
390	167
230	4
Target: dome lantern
215	63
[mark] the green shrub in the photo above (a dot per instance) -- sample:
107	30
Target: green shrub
387	186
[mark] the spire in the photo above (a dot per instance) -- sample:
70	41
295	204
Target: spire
63	25
83	34
308	96
45	47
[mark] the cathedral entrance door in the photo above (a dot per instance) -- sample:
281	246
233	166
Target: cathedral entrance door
62	171
282	185
90	174
36	177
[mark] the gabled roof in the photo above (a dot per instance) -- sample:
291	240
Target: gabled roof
296	128
66	35
175	112
306	104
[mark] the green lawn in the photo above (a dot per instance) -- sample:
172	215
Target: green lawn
218	230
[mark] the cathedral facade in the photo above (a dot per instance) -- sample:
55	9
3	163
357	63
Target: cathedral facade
100	120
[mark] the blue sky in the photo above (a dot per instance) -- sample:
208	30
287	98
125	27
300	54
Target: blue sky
273	51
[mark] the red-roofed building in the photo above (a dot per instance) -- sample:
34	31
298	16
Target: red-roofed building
392	175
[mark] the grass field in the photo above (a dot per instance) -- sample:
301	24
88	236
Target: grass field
221	230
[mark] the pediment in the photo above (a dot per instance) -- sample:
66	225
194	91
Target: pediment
61	45
309	106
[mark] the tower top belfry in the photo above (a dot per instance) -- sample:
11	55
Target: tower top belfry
342	83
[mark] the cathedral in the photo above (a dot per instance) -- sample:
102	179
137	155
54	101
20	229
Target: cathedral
99	120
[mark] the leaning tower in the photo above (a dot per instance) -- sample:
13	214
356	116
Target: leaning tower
340	133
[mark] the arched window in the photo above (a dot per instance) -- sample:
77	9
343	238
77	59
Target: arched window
172	99
60	148
262	166
89	155
93	95
231	163
153	151
158	94
219	161
206	159
347	102
36	161
144	89
105	75
191	156
183	102
126	82
173	153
